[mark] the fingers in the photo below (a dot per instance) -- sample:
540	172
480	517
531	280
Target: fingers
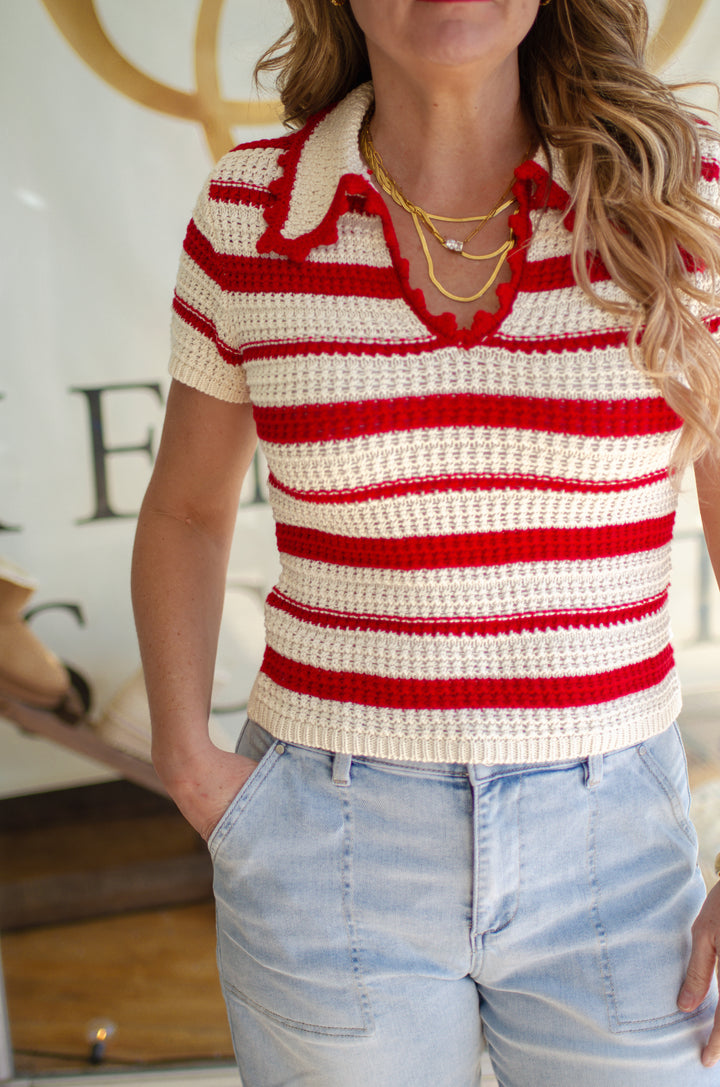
705	940
699	973
711	1052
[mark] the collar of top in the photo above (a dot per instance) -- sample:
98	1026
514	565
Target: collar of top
323	175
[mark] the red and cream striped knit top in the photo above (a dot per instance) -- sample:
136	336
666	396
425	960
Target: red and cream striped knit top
474	525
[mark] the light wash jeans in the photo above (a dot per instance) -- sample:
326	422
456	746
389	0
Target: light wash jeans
377	921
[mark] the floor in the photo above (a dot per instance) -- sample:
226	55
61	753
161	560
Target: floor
106	940
151	972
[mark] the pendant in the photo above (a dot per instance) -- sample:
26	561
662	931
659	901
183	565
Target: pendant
454	245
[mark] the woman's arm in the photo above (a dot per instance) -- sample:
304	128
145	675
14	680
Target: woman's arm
706	930
180	559
707	477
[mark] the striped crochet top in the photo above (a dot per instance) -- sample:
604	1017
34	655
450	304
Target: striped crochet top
474	525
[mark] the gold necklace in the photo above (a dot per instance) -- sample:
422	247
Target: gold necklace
422	218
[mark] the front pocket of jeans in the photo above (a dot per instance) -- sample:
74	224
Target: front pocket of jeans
244	797
647	889
283	883
664	760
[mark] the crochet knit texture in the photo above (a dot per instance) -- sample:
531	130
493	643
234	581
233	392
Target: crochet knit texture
474	525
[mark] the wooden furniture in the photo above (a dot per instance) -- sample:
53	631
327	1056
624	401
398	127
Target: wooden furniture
82	738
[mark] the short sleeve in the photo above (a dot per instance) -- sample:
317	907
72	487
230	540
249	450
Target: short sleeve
709	190
710	169
201	355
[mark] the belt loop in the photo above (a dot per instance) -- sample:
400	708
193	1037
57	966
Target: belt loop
341	769
594	771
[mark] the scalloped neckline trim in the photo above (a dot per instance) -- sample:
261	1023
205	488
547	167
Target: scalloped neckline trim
321	176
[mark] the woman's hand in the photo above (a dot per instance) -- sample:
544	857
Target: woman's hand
706	930
185	529
204	787
703	959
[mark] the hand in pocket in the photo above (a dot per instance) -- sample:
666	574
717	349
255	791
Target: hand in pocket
206	785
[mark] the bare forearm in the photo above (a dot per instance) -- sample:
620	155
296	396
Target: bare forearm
178	590
182	544
178	583
707	476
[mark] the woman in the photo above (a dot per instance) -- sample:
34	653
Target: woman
468	311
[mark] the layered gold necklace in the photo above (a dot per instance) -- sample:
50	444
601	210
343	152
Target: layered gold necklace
425	222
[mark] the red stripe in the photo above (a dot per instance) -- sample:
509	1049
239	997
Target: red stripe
541	345
194	318
474	549
561	692
270	275
237	355
591	418
279	142
710	170
285	349
278	275
555	344
554	273
451	483
468	626
205	327
232	192
201	252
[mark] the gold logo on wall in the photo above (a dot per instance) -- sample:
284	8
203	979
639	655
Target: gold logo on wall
678	19
78	22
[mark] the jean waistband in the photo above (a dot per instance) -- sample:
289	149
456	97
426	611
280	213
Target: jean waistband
477	772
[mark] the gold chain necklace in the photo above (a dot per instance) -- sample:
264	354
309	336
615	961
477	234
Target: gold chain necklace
422	218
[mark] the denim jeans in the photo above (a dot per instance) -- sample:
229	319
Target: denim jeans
379	922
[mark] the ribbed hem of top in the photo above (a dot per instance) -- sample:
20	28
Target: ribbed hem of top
211	380
651	715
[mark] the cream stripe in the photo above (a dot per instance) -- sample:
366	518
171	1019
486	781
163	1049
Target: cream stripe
194	361
420	454
329	378
520	589
360	242
550	238
255	166
198	290
238	233
532	655
357	243
495	736
309	318
458	512
562	312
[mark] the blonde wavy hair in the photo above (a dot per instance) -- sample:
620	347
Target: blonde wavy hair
632	152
